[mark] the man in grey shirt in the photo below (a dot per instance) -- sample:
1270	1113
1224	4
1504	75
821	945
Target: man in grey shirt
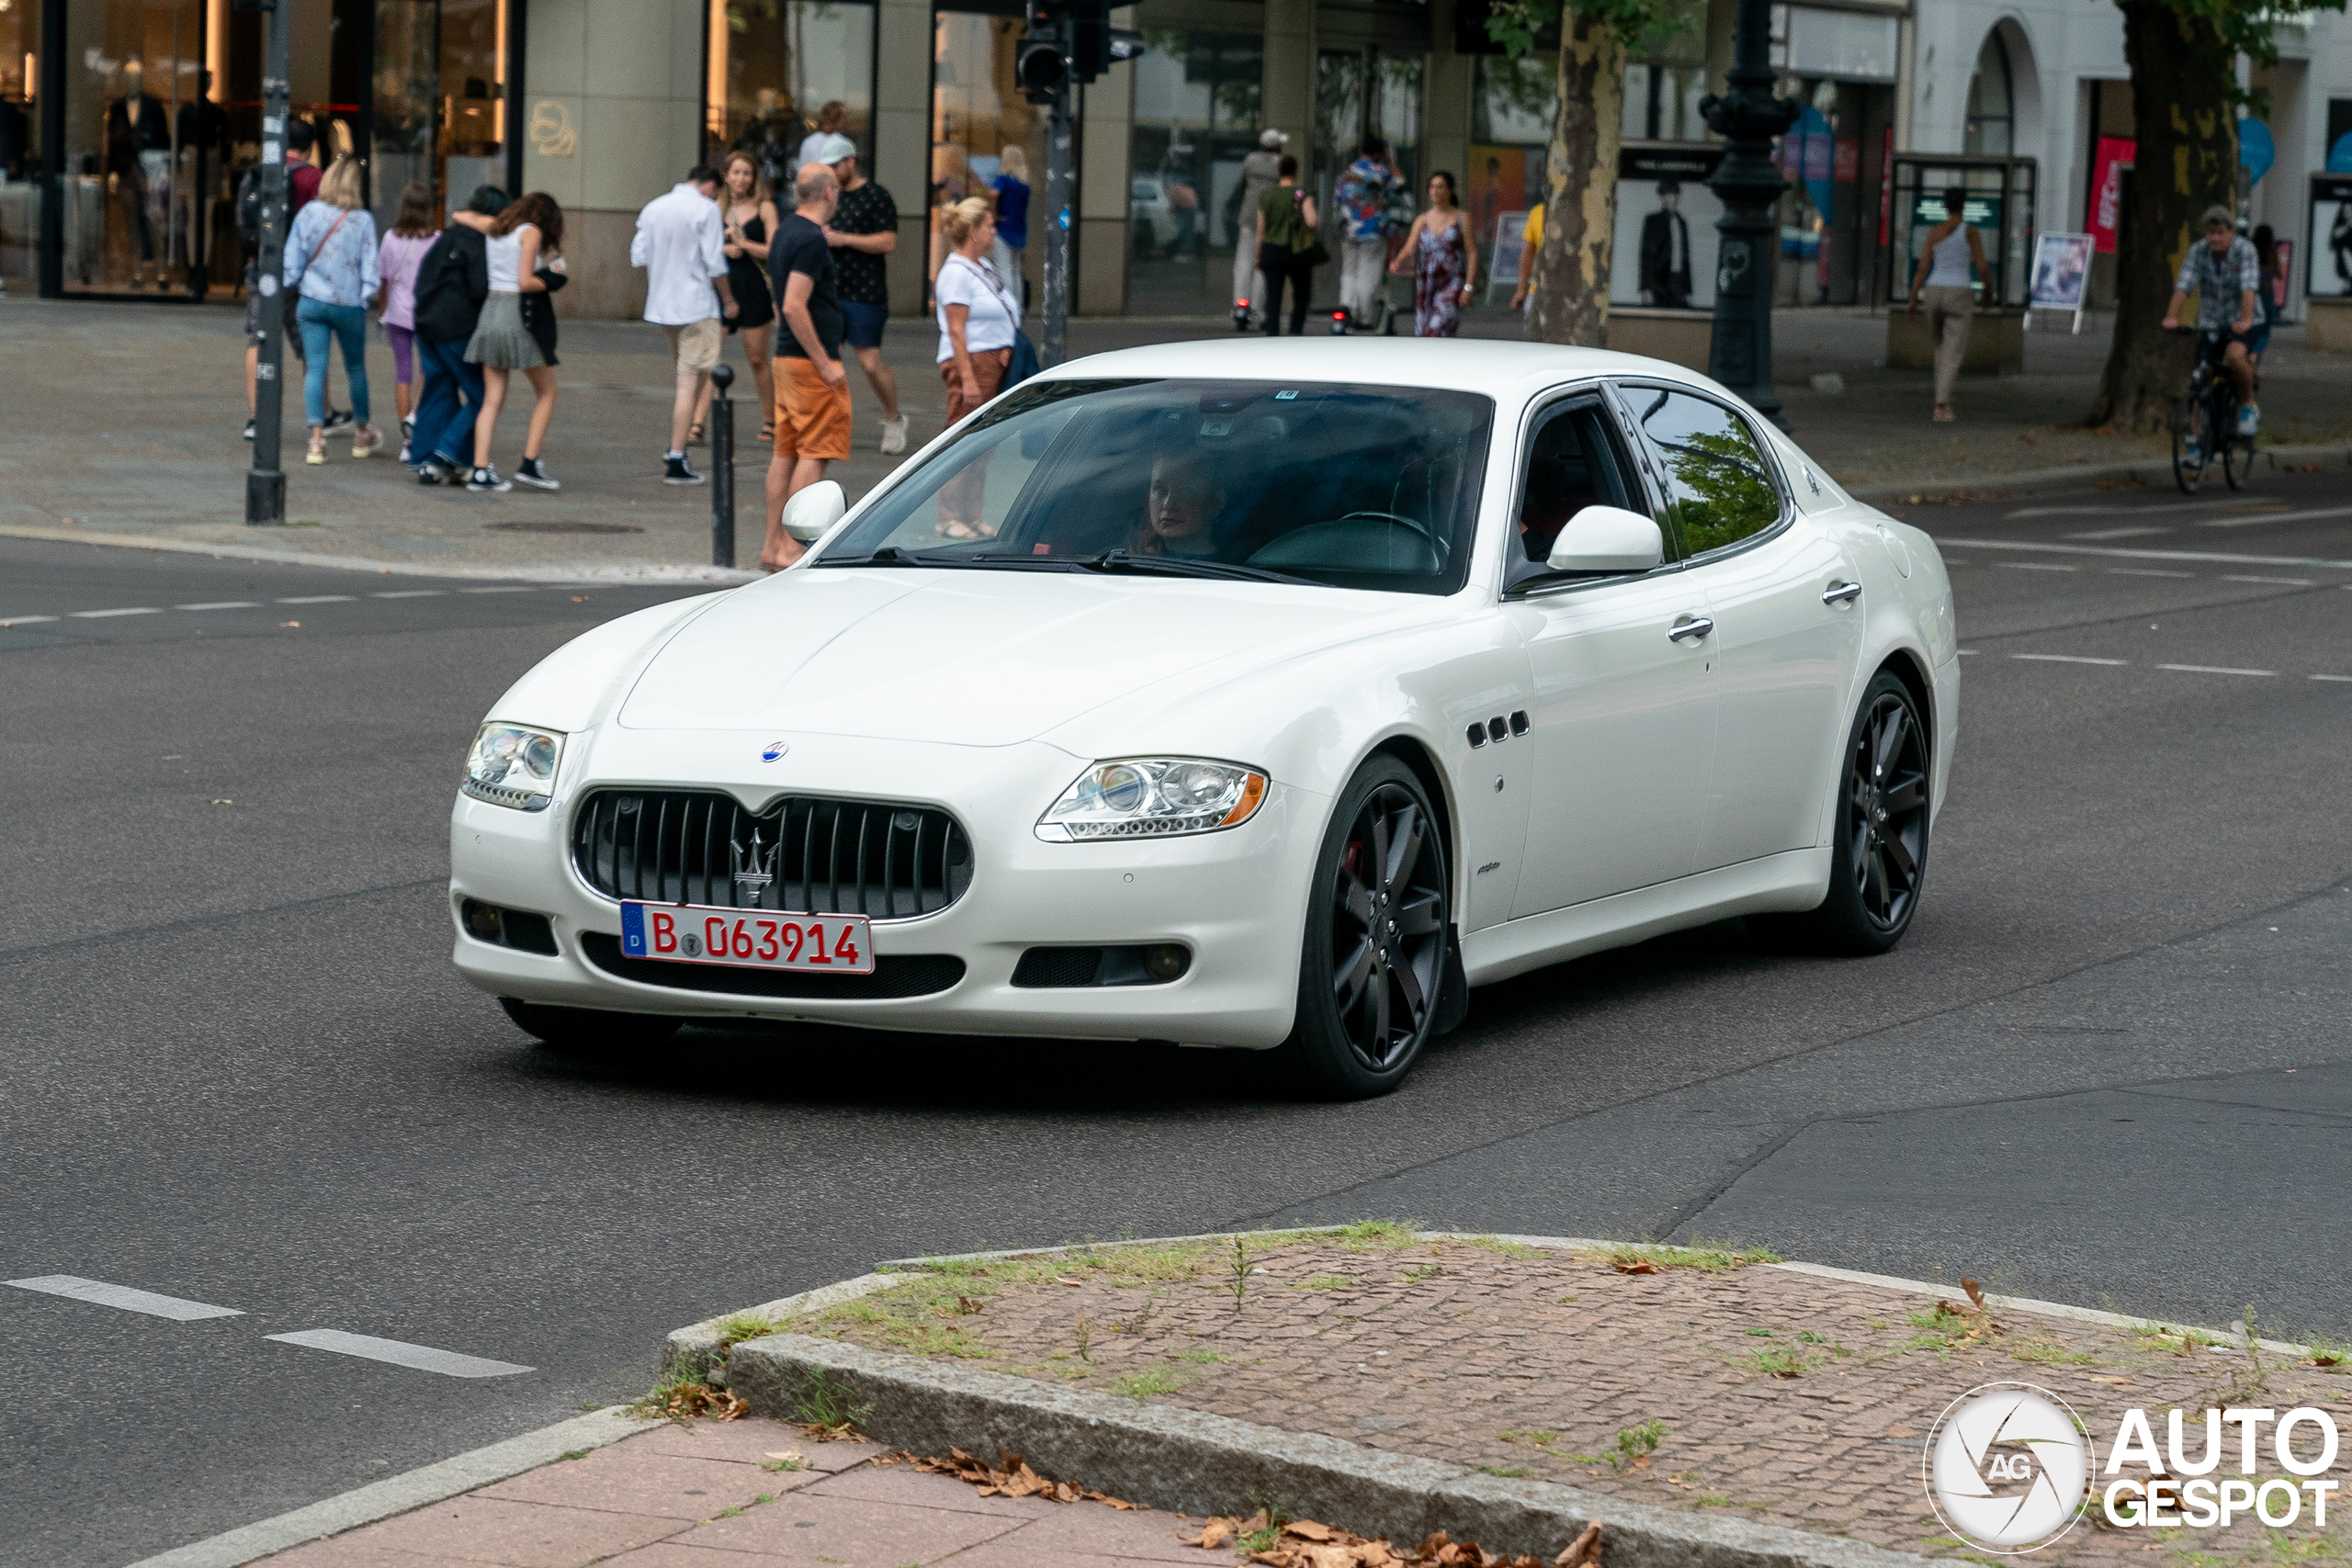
2226	275
1260	171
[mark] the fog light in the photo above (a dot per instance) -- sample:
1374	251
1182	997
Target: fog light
1164	961
481	919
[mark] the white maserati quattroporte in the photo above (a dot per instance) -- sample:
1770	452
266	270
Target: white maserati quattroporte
1259	694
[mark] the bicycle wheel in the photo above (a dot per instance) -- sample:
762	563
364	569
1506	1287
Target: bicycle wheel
2237	462
2189	426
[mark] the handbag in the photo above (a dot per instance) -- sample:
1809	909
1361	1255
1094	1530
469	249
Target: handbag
1024	363
1314	252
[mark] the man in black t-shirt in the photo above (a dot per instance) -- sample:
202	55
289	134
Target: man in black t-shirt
812	415
864	233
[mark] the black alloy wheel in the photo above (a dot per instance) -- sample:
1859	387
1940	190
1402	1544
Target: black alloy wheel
1374	968
1879	848
587	1031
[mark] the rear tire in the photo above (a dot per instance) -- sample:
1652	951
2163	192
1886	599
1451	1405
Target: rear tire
2189	424
2237	462
1373	971
1879	835
585	1032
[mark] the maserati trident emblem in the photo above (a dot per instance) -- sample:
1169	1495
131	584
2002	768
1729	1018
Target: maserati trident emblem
773	750
754	869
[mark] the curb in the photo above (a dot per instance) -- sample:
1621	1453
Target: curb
400	1494
1200	1465
610	572
2146	469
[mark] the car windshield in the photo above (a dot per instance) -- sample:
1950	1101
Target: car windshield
1351	486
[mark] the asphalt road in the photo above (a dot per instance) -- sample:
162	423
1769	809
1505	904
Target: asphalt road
2109	1066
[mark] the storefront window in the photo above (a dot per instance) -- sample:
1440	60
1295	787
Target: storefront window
1990	99
981	128
472	90
19	146
1363	93
782	70
132	216
1196	117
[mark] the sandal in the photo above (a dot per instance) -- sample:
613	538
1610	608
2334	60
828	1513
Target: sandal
693	433
767	431
959	529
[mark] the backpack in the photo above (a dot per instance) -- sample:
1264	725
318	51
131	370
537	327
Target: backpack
249	207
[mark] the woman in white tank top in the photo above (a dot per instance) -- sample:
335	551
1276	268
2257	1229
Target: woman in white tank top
501	344
1954	257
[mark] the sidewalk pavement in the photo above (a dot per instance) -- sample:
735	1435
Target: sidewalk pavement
133	434
710	1493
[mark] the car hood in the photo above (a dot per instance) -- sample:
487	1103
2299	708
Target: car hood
973	657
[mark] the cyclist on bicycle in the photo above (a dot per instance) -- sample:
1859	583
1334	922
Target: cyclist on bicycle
2226	275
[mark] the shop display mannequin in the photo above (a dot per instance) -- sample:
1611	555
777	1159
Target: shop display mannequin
1666	250
136	126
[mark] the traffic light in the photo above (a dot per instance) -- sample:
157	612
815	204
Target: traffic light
1041	68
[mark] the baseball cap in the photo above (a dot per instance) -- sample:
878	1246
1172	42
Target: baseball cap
1272	137
833	149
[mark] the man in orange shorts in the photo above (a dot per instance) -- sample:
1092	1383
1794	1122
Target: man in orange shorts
813	412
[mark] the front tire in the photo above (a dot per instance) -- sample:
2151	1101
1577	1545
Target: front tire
1374	968
1879	855
585	1032
2189	426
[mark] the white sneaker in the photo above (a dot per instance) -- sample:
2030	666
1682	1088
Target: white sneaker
894	435
2249	419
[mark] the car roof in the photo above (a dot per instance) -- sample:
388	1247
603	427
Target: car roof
1469	364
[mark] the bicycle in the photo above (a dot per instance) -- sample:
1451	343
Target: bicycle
2207	424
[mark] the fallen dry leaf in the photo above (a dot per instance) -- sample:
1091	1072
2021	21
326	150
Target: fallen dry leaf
1307	1529
1584	1551
700	1399
1642	1267
289	623
1059	1280
1217	1531
1010	1477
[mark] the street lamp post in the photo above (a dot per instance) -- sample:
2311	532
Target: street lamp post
266	480
1748	118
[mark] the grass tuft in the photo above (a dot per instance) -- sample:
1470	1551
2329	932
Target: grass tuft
1707	1257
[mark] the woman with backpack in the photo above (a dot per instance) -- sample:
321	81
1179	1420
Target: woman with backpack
1288	248
331	257
397	259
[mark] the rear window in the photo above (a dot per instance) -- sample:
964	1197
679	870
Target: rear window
1351	486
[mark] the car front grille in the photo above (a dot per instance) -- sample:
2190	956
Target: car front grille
803	855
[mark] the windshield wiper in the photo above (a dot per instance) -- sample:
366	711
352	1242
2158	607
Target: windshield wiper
1180	566
893	555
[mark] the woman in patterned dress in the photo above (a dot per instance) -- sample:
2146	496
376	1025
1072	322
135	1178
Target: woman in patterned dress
1443	257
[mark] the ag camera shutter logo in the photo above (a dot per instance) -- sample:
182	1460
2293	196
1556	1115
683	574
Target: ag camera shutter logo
2007	1468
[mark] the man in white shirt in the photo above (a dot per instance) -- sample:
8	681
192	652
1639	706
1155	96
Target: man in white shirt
680	243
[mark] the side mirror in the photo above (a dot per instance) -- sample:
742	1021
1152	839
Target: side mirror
814	509
1607	538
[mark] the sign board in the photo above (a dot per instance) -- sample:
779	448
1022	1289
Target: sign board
1509	249
2113	155
2328	273
2062	271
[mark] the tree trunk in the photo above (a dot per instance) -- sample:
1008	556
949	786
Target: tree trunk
1580	206
2186	160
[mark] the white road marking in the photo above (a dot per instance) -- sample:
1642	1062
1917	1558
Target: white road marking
2144	571
2282	582
124	1297
2214	670
101	615
223	604
409	594
2038	566
319	599
23	620
2070	659
1967	653
2114	532
424	1357
2347	678
2117	552
2281	515
497	590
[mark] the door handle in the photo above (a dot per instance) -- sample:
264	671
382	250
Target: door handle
1841	594
1690	626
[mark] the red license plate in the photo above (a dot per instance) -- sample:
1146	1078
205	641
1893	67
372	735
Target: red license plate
748	939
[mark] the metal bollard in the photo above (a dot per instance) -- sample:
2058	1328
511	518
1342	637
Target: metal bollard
722	466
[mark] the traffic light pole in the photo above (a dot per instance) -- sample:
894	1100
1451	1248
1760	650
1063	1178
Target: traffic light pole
1058	172
266	481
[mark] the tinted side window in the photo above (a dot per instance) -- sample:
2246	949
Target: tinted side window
1571	464
1717	482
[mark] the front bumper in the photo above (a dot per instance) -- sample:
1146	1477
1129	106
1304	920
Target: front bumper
1236	899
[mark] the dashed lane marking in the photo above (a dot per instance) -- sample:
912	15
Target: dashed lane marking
2282	582
2038	566
23	620
223	604
423	1357
2115	533
2279	514
123	1296
2213	669
409	594
2344	678
2143	571
2117	552
497	590
102	615
2067	659
320	599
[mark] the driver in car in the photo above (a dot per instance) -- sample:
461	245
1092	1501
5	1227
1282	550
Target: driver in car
1181	510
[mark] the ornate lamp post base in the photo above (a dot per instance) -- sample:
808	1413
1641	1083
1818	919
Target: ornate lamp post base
1748	117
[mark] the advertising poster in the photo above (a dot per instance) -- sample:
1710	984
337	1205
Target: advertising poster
2061	269
2329	273
2113	156
1501	180
1665	253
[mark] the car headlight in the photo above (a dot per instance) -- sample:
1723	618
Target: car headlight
514	765
1153	797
